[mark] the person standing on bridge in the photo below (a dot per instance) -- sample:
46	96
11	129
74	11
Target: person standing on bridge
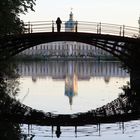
58	23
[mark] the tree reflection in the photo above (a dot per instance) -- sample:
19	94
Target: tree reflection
132	90
8	90
125	108
9	131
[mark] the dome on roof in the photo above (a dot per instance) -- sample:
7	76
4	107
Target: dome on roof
70	24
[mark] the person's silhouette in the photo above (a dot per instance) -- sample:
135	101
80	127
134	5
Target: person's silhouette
58	22
58	131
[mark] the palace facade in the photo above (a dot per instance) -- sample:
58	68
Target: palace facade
65	49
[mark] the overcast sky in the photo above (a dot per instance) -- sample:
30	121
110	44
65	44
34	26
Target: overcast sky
109	11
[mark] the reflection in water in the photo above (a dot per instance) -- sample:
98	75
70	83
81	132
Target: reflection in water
51	80
71	87
110	131
71	83
126	107
8	90
9	131
58	131
58	70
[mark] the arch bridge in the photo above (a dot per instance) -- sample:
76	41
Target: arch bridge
120	40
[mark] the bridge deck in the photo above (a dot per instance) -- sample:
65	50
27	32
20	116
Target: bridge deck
83	26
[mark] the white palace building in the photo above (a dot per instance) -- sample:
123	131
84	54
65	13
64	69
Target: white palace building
65	49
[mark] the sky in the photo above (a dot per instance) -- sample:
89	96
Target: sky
124	12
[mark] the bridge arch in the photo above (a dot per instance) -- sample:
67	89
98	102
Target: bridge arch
120	47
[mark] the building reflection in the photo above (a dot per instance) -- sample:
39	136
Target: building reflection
58	70
71	72
71	83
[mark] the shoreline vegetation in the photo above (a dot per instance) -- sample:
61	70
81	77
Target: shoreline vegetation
96	58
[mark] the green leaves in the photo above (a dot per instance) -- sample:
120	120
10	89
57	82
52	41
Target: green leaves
10	10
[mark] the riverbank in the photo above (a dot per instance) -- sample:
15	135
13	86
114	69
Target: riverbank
96	58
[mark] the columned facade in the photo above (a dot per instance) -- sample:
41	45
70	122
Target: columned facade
65	49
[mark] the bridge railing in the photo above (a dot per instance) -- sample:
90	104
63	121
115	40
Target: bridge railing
82	26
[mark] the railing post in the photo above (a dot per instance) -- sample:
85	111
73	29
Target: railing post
76	26
52	26
99	28
123	30
120	33
29	27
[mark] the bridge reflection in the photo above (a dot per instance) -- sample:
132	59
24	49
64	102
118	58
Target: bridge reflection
125	108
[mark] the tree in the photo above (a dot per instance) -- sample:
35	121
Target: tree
10	10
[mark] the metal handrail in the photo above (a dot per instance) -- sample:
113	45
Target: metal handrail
83	26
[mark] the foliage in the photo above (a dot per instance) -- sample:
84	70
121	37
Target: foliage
10	11
9	131
9	79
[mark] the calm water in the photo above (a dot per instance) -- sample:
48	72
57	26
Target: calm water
74	86
131	131
70	86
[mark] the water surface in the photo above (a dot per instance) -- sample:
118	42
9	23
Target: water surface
74	86
70	86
